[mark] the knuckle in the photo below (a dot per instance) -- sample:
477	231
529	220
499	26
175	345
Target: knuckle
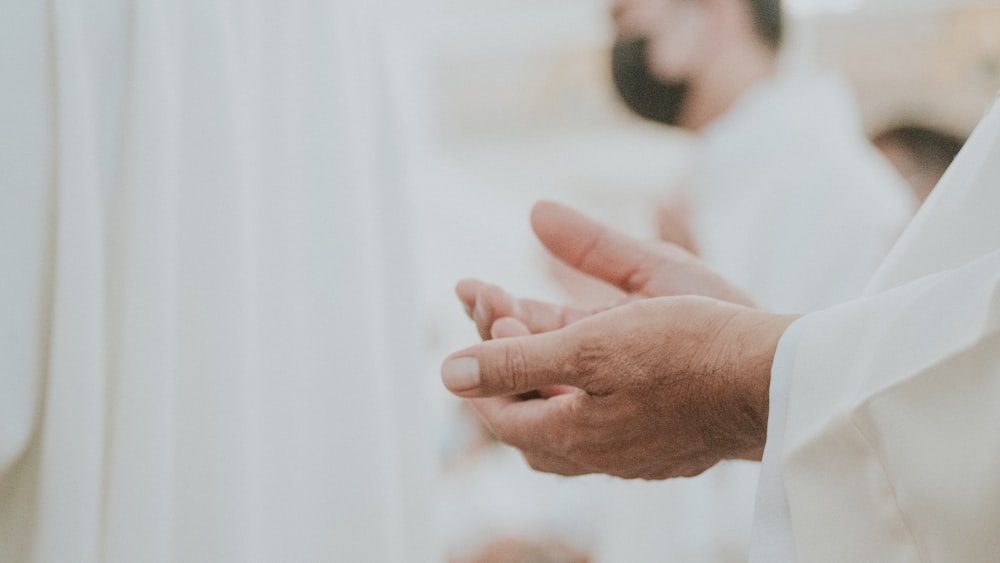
589	363
586	358
514	368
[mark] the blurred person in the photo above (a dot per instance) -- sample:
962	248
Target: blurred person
199	227
919	153
786	185
786	198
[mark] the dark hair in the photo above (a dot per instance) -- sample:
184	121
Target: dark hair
768	21
926	154
929	146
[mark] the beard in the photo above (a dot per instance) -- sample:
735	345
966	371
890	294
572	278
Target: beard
645	94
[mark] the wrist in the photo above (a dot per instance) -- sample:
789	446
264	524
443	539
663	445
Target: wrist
748	344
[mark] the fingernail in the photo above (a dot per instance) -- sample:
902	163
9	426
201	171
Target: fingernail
460	374
480	311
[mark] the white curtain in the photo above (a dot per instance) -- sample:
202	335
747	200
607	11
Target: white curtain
206	339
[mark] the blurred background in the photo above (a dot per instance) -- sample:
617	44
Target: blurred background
233	230
502	102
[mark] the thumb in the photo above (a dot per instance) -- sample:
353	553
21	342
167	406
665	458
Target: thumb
509	366
637	267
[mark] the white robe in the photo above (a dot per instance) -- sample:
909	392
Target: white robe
883	442
205	339
791	203
790	200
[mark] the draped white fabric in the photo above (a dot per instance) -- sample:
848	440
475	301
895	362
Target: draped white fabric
886	408
205	341
793	203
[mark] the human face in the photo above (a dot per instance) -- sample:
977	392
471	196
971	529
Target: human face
674	31
649	65
647	95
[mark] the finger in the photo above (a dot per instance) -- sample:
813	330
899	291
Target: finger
508	327
596	249
479	309
532	425
511	366
539	316
466	291
650	269
488	303
492	303
485	303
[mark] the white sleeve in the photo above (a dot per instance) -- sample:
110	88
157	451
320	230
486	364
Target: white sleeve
882	432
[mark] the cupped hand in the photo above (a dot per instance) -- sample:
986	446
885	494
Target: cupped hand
652	389
641	269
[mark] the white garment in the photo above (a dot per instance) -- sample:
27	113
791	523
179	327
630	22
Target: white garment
792	204
886	409
790	201
204	331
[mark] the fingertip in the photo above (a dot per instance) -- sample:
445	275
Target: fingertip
466	288
543	211
460	374
561	229
544	205
491	303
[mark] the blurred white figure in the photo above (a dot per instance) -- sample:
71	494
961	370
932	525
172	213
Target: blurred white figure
786	186
787	199
789	168
200	252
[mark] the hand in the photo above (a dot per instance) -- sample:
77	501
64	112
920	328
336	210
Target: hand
640	269
652	389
